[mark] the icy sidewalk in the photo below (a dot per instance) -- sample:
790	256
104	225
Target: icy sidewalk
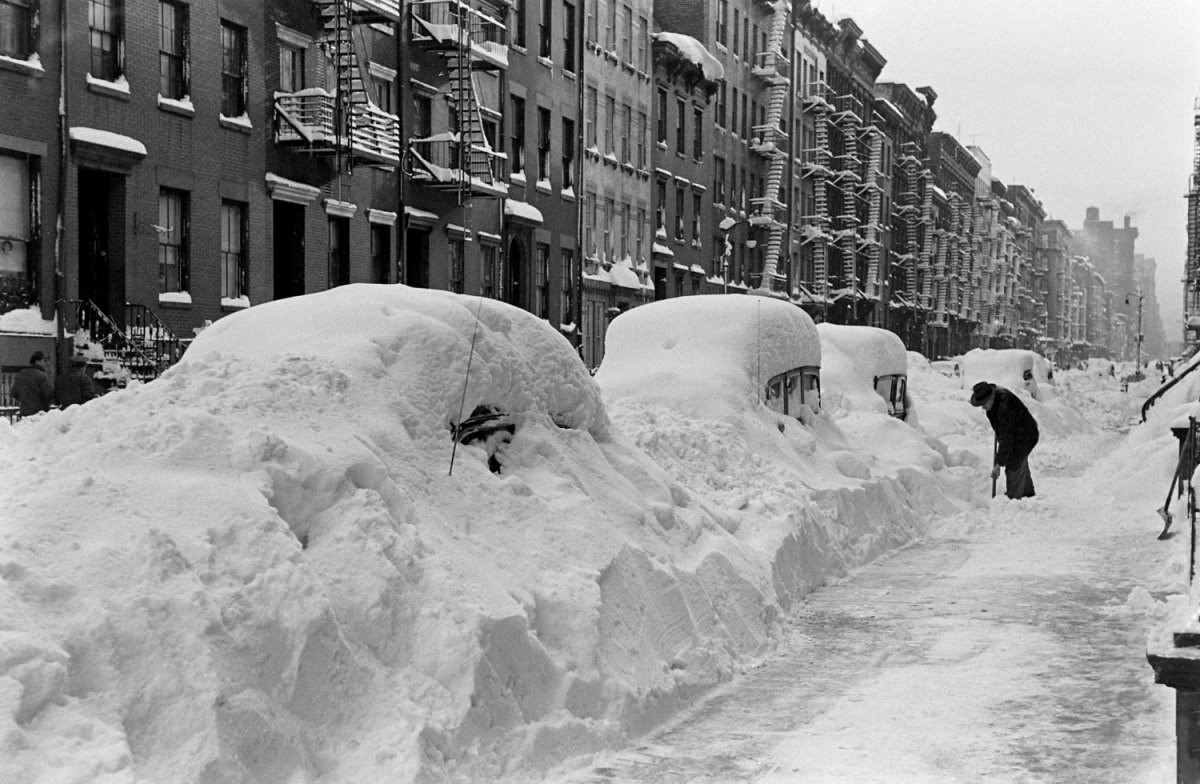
1010	649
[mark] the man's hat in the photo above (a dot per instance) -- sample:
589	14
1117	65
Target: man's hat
79	359
981	392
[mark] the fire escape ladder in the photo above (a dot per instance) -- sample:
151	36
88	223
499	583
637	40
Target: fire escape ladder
874	207
771	208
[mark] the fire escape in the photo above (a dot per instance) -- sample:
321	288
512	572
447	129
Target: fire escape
1191	314
873	194
461	158
847	117
815	163
770	141
908	209
345	123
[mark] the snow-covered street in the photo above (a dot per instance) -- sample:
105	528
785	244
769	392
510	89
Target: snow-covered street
1009	647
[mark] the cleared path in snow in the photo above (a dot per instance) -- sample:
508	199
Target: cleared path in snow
1011	648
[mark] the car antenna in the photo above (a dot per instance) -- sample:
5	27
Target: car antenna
462	401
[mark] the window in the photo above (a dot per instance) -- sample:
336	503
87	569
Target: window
568	153
697	133
624	230
338	262
610	119
565	309
610	27
422	116
233	70
543	160
679	212
381	252
733	112
626	133
454	248
492	280
518	23
104	33
662	116
15	28
722	21
680	120
737	25
718	179
517	137
745	117
589	224
172	50
643	40
641	139
382	93
545	28
291	68
233	250
720	119
660	209
609	213
568	19
627	34
15	177
696	209
639	235
172	240
541	281
589	117
746	37
592	33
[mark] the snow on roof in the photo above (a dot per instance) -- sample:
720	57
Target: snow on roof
851	358
515	208
109	139
695	52
705	352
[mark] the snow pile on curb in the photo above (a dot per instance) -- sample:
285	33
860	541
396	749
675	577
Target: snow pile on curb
259	568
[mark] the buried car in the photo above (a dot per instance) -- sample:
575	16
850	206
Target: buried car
709	352
864	364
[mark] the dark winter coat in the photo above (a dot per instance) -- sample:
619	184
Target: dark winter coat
32	391
73	387
1016	429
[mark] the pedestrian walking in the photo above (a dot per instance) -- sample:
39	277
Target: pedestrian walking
1016	436
31	388
73	386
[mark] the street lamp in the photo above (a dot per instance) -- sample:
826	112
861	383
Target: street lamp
1138	369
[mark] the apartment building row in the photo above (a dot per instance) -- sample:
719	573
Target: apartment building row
179	160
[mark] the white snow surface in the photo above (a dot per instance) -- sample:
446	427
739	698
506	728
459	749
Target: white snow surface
259	567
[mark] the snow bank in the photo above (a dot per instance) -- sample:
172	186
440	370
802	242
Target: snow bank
1013	368
260	567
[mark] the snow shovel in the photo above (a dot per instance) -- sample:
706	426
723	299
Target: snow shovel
995	454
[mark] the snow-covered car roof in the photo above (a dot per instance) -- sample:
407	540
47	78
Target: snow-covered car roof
692	352
421	340
853	356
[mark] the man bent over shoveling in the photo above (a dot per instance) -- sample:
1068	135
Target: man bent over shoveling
1016	436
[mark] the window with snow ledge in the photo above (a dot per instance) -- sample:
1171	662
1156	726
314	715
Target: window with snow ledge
241	123
183	106
175	298
115	88
31	65
231	303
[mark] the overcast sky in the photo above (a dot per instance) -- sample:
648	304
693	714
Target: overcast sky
1087	103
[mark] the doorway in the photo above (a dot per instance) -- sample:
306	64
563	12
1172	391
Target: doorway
516	274
101	242
416	258
289	249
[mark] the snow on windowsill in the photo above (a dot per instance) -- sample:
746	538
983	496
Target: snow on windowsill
175	298
32	64
239	122
231	303
179	105
118	85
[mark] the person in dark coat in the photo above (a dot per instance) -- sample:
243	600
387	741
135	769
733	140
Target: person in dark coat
31	388
74	386
1016	436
